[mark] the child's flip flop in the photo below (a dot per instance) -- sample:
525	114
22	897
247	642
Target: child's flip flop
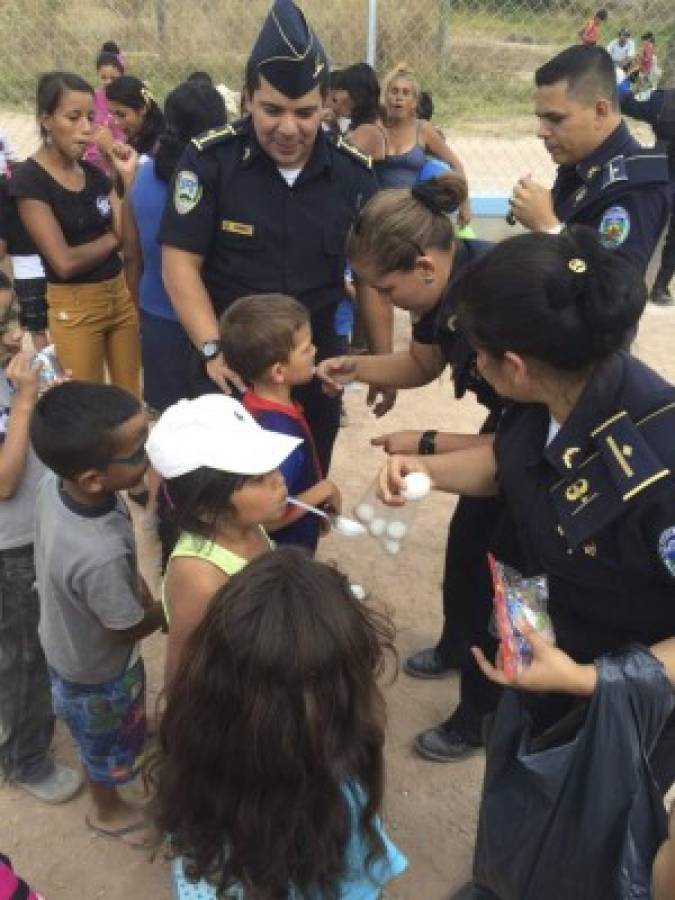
120	833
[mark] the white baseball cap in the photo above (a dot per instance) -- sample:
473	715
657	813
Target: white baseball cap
215	431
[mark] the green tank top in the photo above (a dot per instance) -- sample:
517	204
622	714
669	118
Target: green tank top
194	546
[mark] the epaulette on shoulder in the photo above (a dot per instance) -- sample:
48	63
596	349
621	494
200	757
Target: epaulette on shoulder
214	136
352	151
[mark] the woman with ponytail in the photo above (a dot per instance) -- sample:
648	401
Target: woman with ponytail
404	246
135	112
584	458
190	109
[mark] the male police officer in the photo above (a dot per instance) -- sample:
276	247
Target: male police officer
605	178
659	111
264	206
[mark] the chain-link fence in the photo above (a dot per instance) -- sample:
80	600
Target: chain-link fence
477	57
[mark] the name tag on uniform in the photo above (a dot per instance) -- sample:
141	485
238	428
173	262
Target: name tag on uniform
237	228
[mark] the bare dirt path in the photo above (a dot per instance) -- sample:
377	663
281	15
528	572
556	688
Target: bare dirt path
430	808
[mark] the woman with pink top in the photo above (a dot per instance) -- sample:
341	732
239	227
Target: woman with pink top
109	66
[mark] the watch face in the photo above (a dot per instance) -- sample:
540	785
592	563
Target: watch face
210	349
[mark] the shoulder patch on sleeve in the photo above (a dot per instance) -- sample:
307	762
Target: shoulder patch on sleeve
352	151
187	192
614	227
214	136
667	549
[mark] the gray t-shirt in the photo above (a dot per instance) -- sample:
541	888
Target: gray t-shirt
17	515
87	579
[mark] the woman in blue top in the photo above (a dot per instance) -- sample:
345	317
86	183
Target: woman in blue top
190	109
409	139
270	772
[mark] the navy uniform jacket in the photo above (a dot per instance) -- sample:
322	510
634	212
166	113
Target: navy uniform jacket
658	110
595	510
229	204
621	190
437	326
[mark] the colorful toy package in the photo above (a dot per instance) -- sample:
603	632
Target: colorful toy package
518	599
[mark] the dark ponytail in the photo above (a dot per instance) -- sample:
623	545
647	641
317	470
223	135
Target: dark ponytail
190	109
132	92
397	226
563	299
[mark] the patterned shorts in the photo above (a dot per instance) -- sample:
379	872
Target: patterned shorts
107	722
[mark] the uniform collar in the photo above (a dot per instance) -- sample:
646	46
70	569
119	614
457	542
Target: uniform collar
613	146
571	445
251	151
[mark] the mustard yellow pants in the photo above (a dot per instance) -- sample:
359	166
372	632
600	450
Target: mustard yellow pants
94	327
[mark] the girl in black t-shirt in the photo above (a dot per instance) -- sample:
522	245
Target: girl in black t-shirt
72	215
135	112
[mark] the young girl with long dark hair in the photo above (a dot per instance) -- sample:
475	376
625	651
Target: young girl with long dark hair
270	772
135	112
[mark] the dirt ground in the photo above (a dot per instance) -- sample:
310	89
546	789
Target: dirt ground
430	808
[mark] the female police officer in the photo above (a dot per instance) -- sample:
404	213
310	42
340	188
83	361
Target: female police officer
403	245
584	457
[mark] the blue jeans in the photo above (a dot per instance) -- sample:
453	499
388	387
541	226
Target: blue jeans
26	717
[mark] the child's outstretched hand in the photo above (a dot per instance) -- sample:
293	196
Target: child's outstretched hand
24	378
550	670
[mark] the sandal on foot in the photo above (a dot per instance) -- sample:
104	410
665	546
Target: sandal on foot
120	833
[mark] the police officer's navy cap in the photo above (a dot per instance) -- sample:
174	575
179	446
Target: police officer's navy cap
287	53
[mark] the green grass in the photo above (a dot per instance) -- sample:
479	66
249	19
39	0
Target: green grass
480	73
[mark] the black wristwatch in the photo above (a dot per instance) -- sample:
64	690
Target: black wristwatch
427	444
209	350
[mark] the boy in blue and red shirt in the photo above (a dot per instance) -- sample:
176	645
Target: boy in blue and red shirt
267	340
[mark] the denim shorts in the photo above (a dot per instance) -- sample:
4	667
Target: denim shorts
107	722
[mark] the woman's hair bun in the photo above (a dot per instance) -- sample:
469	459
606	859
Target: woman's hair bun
442	194
608	291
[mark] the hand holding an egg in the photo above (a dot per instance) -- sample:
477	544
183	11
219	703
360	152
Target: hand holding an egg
402	478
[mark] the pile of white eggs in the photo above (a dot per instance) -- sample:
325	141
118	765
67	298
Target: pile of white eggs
390	524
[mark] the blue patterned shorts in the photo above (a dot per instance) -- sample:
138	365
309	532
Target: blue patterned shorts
107	722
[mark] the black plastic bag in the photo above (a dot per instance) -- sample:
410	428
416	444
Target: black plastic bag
581	820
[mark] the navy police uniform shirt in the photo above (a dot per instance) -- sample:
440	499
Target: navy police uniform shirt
658	110
621	190
595	509
230	204
437	326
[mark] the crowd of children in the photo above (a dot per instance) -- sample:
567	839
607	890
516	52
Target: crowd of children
267	775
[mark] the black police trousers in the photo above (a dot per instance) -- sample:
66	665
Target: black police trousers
322	412
479	525
667	267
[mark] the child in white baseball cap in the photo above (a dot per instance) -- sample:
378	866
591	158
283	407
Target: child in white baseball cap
221	484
